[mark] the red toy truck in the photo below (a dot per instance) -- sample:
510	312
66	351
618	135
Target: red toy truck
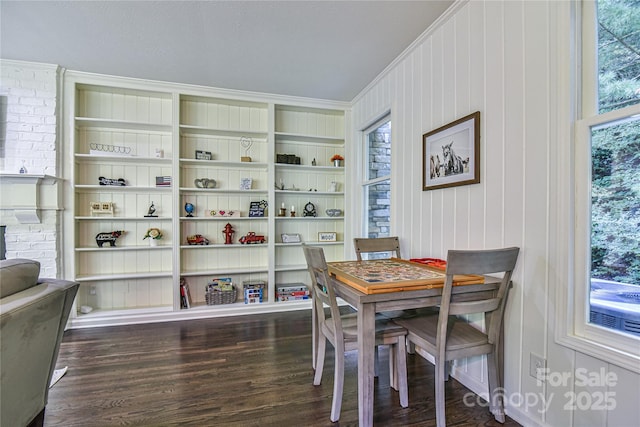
252	237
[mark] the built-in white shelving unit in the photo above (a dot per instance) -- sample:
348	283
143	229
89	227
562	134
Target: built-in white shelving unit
135	130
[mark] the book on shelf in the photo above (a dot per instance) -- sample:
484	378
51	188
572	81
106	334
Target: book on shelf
253	291
292	292
220	284
185	295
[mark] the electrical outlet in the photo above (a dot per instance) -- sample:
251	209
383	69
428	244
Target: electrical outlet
92	291
536	363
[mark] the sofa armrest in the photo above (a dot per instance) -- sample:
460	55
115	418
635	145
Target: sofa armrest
31	325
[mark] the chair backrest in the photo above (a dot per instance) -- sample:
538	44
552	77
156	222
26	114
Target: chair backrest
378	244
482	262
322	288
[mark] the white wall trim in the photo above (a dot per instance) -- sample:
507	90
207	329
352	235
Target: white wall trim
27	64
189	89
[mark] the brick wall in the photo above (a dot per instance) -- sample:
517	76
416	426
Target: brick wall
380	194
29	133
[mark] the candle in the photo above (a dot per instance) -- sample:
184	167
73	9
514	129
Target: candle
282	205
293	208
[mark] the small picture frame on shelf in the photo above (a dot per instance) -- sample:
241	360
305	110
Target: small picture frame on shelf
327	236
101	208
203	155
245	183
290	238
258	209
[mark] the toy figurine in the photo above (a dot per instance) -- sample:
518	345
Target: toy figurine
151	211
109	237
228	234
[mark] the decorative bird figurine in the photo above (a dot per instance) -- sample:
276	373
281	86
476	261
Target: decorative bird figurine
151	211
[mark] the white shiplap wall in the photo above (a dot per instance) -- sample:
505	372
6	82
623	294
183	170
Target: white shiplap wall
500	58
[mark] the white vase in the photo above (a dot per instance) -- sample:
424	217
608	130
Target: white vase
153	242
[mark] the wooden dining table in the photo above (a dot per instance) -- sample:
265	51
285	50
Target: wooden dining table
378	286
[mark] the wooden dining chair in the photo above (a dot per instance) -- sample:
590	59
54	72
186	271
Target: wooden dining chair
377	245
390	245
446	337
342	332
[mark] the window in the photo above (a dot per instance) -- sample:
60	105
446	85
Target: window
606	297
377	180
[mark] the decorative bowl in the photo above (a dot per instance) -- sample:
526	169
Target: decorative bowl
334	212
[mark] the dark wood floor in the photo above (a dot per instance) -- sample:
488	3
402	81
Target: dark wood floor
238	371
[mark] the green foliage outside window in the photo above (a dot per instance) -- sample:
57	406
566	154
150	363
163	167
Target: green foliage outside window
615	228
618	53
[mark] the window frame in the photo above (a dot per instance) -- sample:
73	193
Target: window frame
366	182
573	327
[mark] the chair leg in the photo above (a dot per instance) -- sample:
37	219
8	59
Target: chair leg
441	418
338	384
322	345
400	351
376	357
393	368
496	405
314	336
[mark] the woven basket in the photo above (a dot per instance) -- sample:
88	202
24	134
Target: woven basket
217	297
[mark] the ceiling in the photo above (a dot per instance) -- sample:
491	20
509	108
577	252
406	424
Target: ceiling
318	49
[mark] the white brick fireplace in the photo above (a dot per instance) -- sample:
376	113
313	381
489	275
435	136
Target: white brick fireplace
29	202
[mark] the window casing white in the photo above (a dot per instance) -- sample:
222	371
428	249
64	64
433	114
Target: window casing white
573	327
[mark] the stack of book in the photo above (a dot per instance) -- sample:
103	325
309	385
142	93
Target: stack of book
253	291
292	292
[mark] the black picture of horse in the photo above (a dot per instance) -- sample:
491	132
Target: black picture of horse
451	154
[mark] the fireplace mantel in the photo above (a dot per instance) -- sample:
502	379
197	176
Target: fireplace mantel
28	194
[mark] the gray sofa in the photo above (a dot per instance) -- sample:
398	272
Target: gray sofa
33	315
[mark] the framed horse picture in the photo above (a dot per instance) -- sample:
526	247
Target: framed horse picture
451	154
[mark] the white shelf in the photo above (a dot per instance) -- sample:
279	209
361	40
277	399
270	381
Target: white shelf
298	267
310	243
122	218
309	218
108	188
123	276
122	124
310	193
134	311
203	130
148	117
93	158
312	139
222	245
223	218
123	248
220	190
223	164
224	271
285	166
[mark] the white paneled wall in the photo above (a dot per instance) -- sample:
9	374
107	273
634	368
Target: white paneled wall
497	58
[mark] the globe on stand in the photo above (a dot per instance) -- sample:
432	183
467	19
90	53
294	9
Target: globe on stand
189	208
